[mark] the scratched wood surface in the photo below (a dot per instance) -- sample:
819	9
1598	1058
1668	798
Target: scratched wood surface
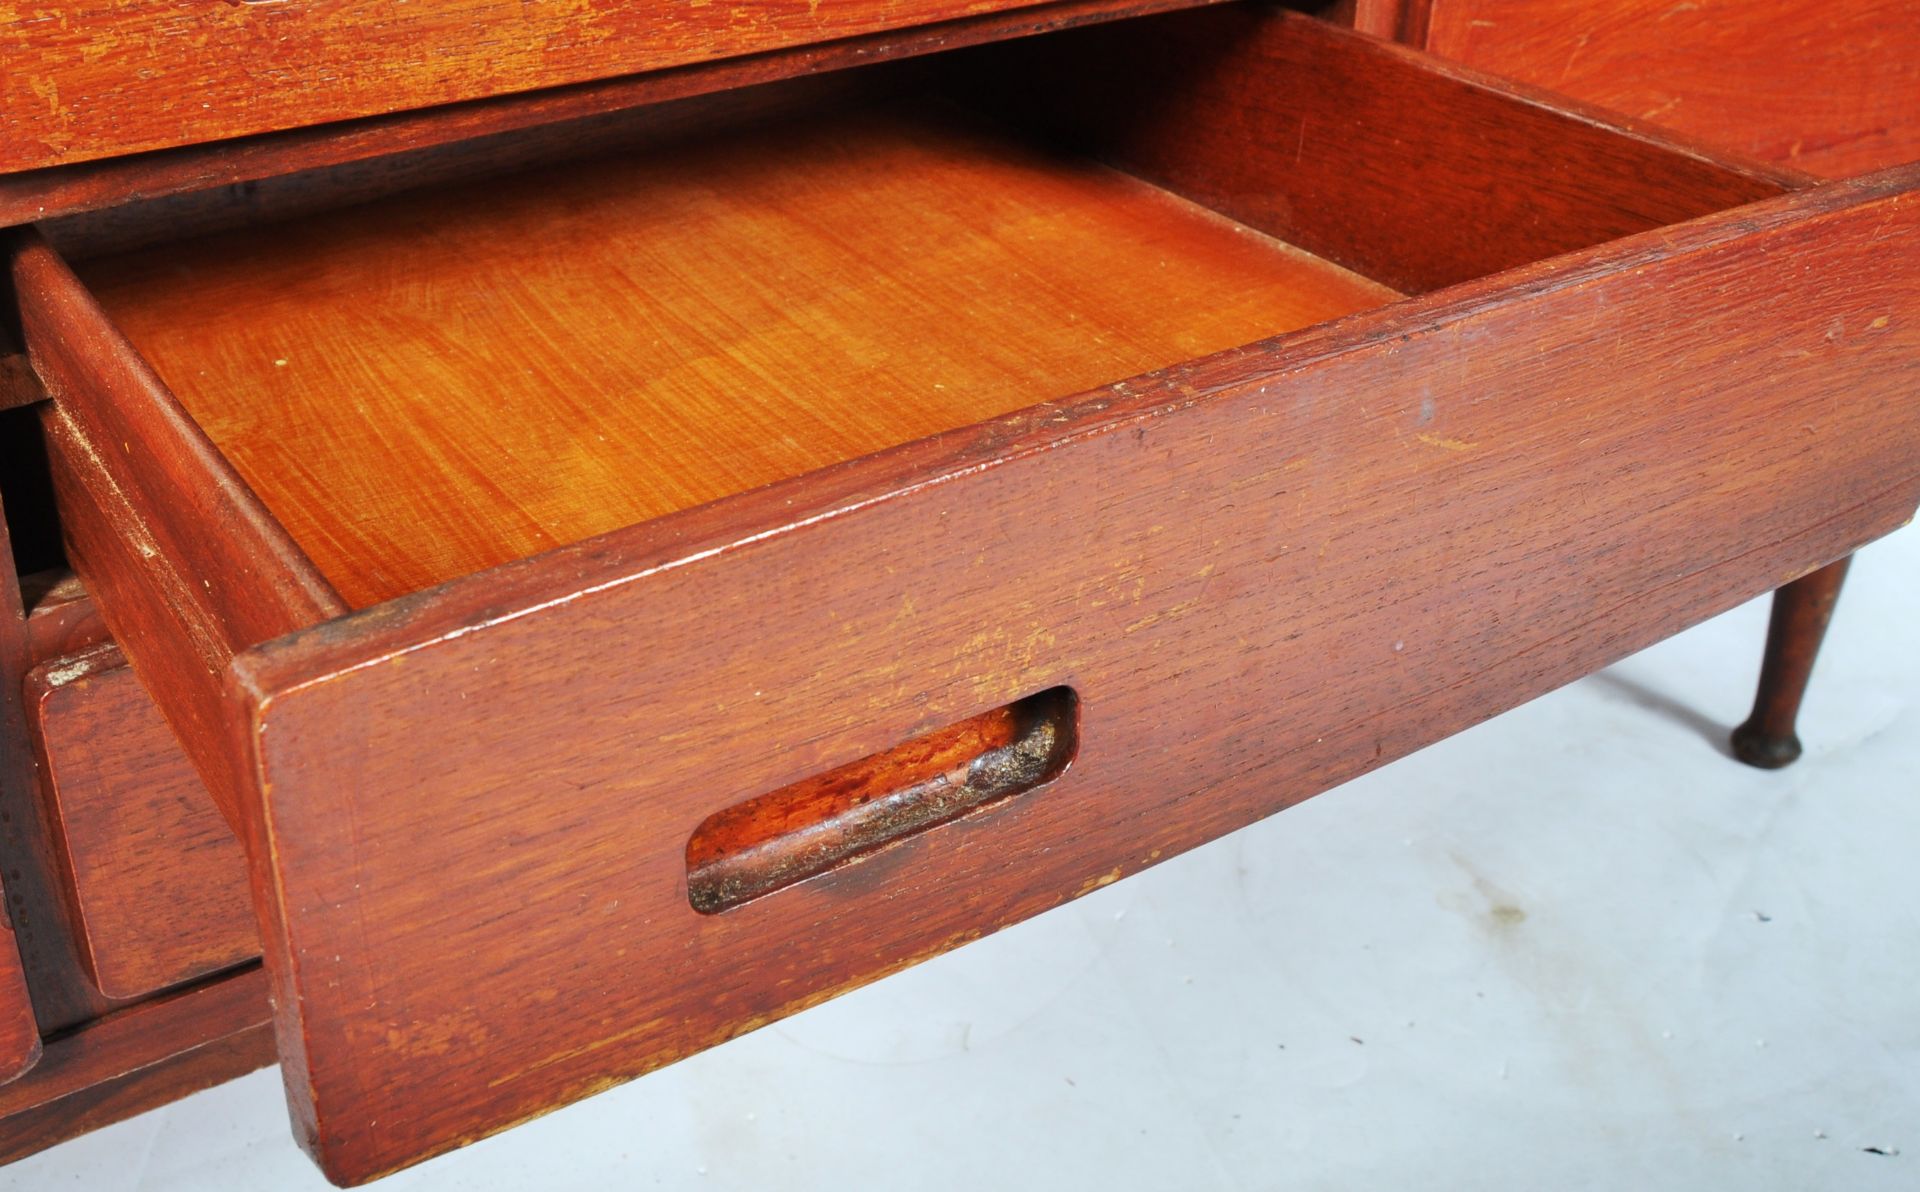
61	617
138	1058
1262	573
40	194
101	1060
53	992
94	80
156	879
441	382
187	566
34	622
1513	483
19	1031
1830	88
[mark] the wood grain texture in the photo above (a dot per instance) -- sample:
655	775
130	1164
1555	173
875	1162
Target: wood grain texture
38	195
453	379
104	79
172	218
38	918
1833	89
1404	21
1374	534
1410	171
187	566
137	1059
155	877
477	799
61	617
19	1025
19	1031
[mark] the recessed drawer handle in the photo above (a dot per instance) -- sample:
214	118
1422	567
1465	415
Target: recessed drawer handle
786	836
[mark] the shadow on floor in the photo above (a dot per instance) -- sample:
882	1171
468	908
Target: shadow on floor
1641	695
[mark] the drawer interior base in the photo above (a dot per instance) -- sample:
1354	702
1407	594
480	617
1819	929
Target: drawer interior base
448	379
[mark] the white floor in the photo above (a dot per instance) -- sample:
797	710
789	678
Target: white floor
1576	947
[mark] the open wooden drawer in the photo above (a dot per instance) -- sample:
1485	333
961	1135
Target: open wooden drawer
623	604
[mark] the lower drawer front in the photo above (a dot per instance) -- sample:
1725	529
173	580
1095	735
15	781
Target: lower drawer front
156	880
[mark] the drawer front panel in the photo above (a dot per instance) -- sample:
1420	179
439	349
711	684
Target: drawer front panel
1259	576
100	80
155	878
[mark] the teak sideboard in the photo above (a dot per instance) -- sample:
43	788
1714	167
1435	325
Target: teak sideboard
547	537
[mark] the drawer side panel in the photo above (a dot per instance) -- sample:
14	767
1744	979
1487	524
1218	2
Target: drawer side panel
186	564
1402	167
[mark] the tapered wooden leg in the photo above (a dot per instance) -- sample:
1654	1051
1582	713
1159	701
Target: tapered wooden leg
1801	611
